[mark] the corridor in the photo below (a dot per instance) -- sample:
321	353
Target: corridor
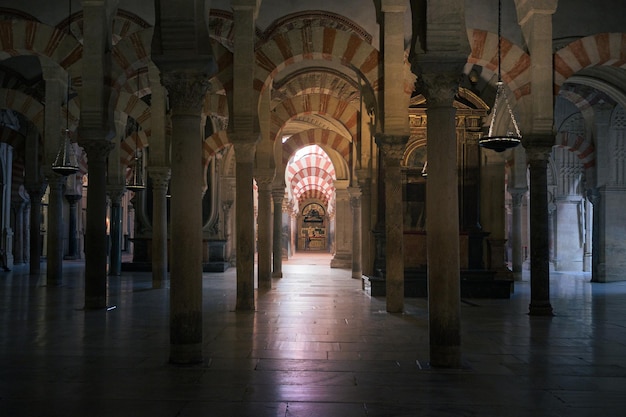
317	346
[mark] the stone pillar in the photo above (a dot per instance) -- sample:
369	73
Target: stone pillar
72	224
244	220
54	256
392	148
228	248
160	181
442	222
538	149
355	204
594	197
517	196
278	194
18	242
264	183
588	231
26	233
115	229
36	193
186	93
97	150
367	261
343	227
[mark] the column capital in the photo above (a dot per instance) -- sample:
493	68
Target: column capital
97	149
393	6
538	147
160	177
245	151
392	147
116	192
278	194
73	198
355	197
517	194
264	178
440	88
186	90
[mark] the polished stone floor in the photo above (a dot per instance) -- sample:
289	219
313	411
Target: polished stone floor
317	346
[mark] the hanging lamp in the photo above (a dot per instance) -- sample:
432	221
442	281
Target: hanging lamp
510	139
66	162
136	183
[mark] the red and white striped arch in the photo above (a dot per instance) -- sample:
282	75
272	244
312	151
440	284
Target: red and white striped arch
311	171
601	49
515	63
212	144
315	43
321	137
322	104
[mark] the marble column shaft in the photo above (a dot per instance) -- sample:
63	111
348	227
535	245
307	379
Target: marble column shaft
35	192
186	92
72	226
367	261
393	148
517	196
442	237
265	232
160	181
355	204
539	228
18	243
278	195
54	254
95	227
244	221
115	227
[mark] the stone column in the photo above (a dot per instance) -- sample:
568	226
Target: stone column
26	233
244	220
54	256
367	261
36	193
278	194
18	243
392	148
538	149
357	241
95	228
442	221
588	231
160	181
72	252
264	183
186	93
517	196
228	249
343	227
115	230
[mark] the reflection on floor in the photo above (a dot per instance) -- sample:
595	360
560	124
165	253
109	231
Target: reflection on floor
318	345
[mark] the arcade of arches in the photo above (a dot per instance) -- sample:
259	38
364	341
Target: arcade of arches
261	129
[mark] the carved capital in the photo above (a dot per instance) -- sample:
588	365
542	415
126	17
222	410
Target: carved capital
245	152
97	149
440	88
115	193
538	147
277	195
160	177
186	90
392	147
355	197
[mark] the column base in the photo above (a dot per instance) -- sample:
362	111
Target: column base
187	354
341	261
277	274
445	357
540	309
